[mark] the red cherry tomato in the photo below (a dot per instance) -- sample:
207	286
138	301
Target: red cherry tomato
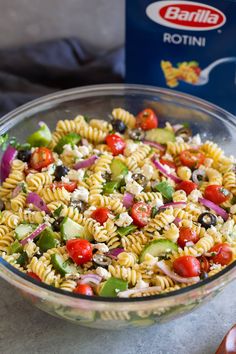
140	213
83	289
41	157
81	251
187	186
100	215
34	276
192	158
216	194
224	254
70	187
169	163
147	119
186	235
197	70
116	144
187	266
205	265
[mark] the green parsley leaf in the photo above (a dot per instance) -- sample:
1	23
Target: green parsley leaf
4	141
57	212
165	189
154	212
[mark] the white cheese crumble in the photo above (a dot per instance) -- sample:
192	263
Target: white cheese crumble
101	247
194	196
128	177
80	193
74	175
147	171
48	220
141	284
179	140
168	157
88	212
124	220
233	209
65	179
50	169
133	187
156	203
102	272
227	227
215	266
130	148
195	140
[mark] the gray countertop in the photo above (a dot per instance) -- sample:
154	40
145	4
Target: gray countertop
25	329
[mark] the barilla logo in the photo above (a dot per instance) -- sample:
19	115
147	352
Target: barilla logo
186	15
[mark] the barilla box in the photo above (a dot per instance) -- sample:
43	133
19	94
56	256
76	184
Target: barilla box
184	45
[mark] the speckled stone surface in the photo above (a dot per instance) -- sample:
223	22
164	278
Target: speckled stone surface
27	330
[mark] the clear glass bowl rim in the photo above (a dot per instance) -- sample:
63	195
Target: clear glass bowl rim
60	96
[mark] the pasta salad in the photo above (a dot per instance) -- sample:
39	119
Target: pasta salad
118	208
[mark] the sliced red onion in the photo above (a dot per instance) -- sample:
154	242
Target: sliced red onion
37	201
177	221
166	270
86	163
197	173
154	144
34	234
115	252
90	278
128	200
150	289
173	205
220	211
162	169
17	190
85	142
7	159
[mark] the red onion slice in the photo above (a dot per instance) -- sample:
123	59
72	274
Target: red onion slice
128	200
153	144
177	221
127	293
86	163
162	169
166	270
37	201
173	205
197	173
7	159
220	211
90	278
115	252
17	190
34	234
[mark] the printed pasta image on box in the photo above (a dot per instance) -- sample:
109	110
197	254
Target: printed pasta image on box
186	71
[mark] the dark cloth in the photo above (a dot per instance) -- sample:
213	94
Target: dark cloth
38	69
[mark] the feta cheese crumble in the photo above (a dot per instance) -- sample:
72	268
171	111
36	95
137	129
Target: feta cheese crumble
124	220
80	193
102	272
133	187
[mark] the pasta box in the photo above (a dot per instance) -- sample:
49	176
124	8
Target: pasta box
183	45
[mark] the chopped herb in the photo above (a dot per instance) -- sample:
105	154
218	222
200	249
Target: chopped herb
57	212
165	189
154	212
4	141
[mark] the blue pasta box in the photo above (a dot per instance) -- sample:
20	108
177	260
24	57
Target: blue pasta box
184	45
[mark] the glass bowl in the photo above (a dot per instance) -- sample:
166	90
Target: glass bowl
98	101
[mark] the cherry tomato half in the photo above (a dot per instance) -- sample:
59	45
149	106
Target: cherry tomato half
205	265
187	186
186	235
34	276
81	251
115	143
140	213
83	289
169	163
40	158
224	254
197	70
147	119
187	266
192	158
100	215
70	187
216	194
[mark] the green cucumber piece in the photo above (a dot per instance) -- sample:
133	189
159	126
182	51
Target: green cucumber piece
16	247
123	231
22	259
118	170
23	230
165	189
112	287
71	138
70	229
158	248
110	187
47	240
41	137
160	135
63	267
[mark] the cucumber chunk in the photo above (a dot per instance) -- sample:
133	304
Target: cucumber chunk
158	248
22	259
160	135
123	231
118	170
70	229
16	247
47	240
63	267
110	187
71	138
41	137
112	287
23	230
